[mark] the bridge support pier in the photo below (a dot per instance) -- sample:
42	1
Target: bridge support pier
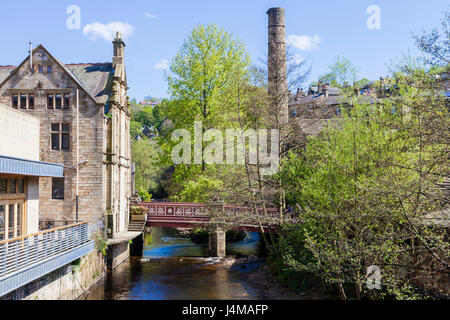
217	243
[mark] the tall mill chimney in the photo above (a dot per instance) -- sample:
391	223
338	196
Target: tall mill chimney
278	89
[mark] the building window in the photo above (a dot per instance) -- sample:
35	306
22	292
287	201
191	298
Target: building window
12	213
66	101
21	186
60	136
49	69
31	101
50	101
15	101
12	186
58	188
23	101
41	68
58	101
3	185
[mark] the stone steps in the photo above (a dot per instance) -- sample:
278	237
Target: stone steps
137	223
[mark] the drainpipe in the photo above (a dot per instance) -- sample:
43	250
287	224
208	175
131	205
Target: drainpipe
31	56
78	155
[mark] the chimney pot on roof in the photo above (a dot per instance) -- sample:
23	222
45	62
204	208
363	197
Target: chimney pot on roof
319	87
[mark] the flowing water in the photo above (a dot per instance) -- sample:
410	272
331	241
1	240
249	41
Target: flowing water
175	268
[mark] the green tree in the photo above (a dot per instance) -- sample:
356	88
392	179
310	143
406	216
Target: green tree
135	128
145	154
436	45
342	72
145	116
200	74
365	187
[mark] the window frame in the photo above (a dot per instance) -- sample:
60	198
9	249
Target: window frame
60	133
66	98
18	203
52	97
59	107
53	188
31	98
15	100
23	97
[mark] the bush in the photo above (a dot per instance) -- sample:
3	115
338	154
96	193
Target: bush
144	195
137	211
200	236
235	236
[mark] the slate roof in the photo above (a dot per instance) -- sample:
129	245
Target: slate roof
5	71
319	99
96	78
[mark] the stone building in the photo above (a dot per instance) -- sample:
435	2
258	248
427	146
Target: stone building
96	146
320	102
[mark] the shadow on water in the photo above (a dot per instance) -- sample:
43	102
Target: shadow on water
175	268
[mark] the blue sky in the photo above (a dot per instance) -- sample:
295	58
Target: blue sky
155	30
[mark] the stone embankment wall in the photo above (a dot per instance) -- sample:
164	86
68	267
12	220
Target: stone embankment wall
67	283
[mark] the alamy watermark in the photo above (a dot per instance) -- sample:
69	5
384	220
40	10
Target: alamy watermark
373	278
374	20
73	22
234	149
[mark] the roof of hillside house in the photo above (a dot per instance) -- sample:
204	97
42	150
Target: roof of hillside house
319	99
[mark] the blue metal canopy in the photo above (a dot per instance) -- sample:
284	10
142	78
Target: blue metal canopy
9	165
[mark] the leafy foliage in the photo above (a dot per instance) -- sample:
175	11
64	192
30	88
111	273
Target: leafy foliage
362	190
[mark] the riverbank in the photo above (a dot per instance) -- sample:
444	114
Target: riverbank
257	274
173	267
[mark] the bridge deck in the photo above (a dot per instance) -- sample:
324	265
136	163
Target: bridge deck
192	215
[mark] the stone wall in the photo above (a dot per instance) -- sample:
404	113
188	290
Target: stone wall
67	283
117	254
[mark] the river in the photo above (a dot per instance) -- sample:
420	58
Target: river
175	268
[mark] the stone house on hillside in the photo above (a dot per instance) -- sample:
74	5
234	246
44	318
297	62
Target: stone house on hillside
311	110
98	149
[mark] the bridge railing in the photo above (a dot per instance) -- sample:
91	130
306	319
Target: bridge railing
183	209
177	209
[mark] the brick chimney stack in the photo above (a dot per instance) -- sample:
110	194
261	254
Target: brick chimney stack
277	63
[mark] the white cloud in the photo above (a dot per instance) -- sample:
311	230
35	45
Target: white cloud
162	64
150	15
108	31
304	42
